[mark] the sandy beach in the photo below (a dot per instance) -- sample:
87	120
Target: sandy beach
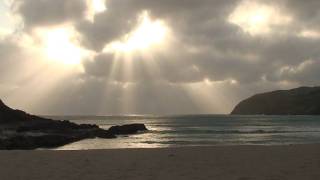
295	162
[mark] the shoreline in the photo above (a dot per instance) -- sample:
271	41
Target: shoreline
294	162
175	147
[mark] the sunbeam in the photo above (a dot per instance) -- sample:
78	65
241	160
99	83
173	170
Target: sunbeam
147	35
61	45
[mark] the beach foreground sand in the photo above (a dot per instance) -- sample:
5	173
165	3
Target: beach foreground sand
295	162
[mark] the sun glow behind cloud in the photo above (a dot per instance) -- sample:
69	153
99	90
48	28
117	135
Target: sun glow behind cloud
149	33
49	58
61	45
256	18
95	7
98	6
310	34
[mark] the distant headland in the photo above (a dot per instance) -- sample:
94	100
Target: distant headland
299	101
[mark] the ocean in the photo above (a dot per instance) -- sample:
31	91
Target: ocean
202	130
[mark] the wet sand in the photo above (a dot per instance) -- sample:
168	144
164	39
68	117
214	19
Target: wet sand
295	162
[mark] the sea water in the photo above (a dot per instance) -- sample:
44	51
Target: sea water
202	130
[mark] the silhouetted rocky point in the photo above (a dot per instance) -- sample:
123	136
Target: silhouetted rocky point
127	129
299	101
19	130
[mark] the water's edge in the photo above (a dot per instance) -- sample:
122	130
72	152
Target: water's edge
204	130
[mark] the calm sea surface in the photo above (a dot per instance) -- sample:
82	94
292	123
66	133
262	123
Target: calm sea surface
203	130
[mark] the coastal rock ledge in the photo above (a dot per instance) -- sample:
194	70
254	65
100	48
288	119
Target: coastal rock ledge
299	101
19	130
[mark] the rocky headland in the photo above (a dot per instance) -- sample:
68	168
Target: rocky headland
20	130
299	101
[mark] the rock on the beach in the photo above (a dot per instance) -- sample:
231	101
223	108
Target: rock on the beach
127	129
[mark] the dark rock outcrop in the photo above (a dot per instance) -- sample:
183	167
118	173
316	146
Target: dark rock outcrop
127	129
19	130
299	101
12	116
33	142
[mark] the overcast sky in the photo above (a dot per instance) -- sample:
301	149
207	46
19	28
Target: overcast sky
153	57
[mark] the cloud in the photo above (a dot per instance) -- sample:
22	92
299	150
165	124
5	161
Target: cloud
48	12
217	51
307	71
258	18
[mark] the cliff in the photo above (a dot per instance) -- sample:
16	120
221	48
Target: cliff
299	101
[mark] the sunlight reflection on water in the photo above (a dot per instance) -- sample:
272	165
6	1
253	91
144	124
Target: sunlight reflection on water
205	131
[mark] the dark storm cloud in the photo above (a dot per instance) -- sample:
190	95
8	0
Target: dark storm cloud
187	18
305	12
223	47
49	12
224	50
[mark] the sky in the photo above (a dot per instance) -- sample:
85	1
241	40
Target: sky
111	57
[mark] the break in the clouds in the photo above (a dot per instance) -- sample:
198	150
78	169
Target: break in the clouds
162	57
